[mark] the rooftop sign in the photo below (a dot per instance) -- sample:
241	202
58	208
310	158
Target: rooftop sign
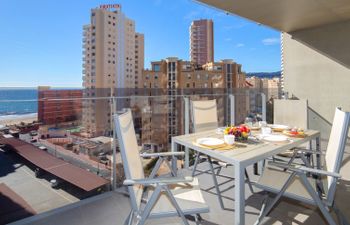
110	6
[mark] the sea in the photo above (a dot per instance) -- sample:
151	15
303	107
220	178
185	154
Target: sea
18	102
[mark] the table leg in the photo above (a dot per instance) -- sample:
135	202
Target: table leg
174	159
239	195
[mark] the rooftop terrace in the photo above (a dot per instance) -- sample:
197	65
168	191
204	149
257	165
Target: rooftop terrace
113	207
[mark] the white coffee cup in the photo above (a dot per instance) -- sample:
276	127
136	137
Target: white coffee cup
262	124
266	130
229	139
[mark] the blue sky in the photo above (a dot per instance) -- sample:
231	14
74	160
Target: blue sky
41	40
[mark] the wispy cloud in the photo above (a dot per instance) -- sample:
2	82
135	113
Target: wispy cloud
191	15
204	12
228	39
240	45
271	41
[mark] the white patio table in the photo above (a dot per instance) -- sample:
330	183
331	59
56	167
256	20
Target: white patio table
241	157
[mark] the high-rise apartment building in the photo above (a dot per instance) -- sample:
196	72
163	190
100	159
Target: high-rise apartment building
202	42
113	62
171	77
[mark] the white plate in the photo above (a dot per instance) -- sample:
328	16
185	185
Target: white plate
279	126
210	141
275	138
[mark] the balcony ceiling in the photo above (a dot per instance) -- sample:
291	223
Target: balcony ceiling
287	15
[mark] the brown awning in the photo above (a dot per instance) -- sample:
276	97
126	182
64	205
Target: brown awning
66	171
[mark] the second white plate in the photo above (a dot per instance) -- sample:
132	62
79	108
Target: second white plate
279	126
275	138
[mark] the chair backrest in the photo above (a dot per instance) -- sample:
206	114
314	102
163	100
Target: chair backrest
133	169
204	115
291	112
335	148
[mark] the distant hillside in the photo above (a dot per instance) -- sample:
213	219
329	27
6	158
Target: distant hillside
265	74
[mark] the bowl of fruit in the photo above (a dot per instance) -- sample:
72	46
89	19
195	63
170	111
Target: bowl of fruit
240	133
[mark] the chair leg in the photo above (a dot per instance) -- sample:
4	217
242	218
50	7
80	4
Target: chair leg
173	173
195	164
317	199
197	219
291	160
268	208
129	219
156	168
151	202
177	207
215	182
264	203
341	218
248	181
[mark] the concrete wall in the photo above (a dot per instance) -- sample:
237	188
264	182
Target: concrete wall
317	68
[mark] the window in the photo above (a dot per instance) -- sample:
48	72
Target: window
198	76
188	85
189	76
156	67
156	76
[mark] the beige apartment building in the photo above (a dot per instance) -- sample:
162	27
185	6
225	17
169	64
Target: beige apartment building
270	87
202	41
113	59
171	77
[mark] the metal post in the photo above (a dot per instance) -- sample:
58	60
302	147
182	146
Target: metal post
114	146
232	109
263	105
187	129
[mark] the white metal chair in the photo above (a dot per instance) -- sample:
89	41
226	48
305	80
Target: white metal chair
205	117
295	182
154	197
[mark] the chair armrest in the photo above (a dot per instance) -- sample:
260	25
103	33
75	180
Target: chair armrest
312	151
161	181
161	154
280	165
304	169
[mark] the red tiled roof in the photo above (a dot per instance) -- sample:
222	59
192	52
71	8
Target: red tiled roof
66	171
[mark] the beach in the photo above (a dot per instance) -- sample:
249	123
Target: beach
17	119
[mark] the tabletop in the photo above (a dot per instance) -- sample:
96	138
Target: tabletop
246	152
